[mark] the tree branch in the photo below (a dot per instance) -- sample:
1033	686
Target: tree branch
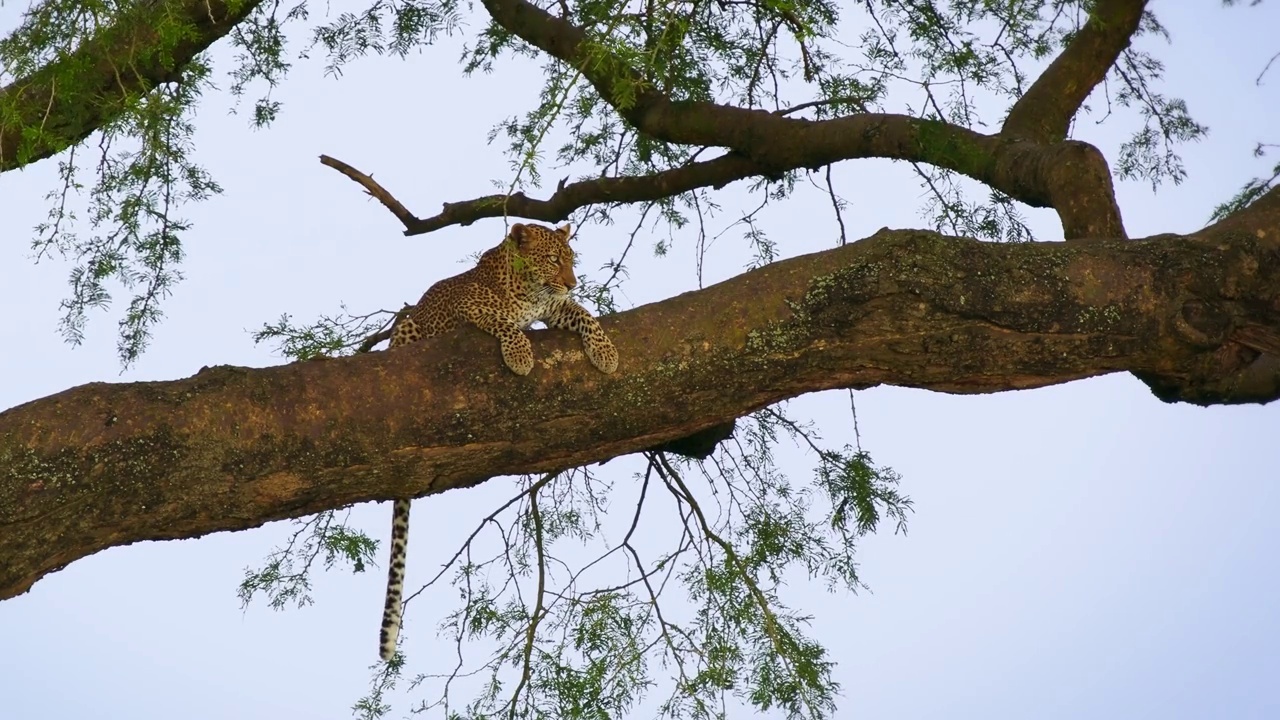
101	465
708	173
1082	180
375	190
715	173
68	99
1044	113
1070	177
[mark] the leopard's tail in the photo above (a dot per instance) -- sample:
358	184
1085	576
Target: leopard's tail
391	613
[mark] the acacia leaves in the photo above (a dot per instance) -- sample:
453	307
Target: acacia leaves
145	173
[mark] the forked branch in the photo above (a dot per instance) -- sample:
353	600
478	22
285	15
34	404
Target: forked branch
1070	177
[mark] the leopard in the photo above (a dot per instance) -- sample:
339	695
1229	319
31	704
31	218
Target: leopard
525	279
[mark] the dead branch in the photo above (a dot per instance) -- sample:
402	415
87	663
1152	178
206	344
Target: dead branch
569	197
371	187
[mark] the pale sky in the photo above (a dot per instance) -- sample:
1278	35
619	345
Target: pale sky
1077	551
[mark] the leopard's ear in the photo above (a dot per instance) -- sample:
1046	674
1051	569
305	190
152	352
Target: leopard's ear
519	233
565	230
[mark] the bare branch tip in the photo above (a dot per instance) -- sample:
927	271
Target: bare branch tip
371	186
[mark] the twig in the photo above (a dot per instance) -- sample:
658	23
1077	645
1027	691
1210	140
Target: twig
385	333
772	626
538	611
835	204
1258	81
821	103
492	518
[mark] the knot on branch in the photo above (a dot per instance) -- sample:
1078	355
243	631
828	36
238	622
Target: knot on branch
1203	324
1241	364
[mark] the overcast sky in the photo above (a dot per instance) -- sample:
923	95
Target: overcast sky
1077	551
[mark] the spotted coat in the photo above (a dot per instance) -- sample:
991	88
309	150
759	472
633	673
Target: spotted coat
525	279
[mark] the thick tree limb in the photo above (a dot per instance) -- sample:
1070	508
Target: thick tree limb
1070	177
66	100
1045	111
103	464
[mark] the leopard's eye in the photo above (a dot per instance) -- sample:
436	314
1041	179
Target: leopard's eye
555	259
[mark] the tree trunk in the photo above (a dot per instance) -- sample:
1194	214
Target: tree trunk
1196	317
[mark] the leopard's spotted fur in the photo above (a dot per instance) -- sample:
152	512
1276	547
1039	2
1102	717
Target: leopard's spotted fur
525	279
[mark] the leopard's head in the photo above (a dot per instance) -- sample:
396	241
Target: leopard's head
544	256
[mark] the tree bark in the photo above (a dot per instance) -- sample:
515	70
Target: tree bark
1196	317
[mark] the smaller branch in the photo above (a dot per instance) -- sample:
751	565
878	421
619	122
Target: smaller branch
716	173
836	204
372	187
568	197
1044	113
819	103
1249	218
465	547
